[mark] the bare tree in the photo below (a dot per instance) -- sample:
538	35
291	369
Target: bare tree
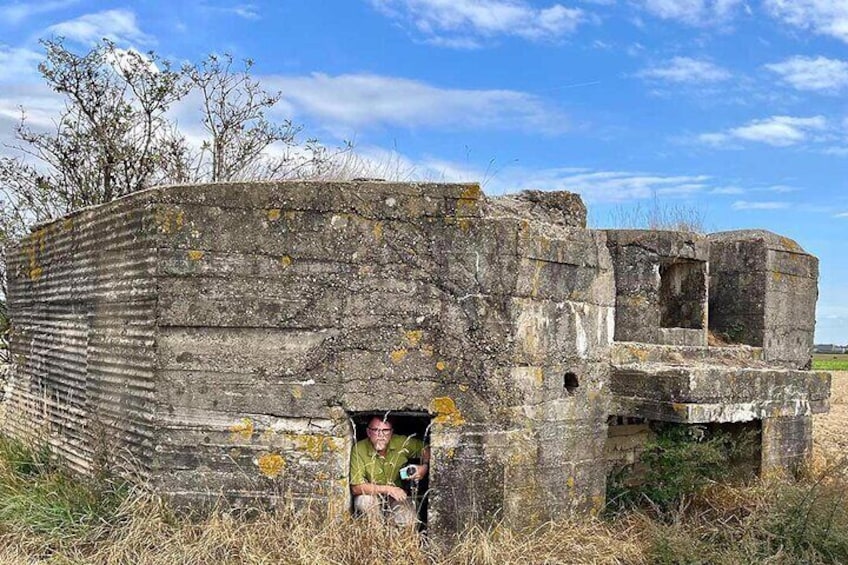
109	138
234	111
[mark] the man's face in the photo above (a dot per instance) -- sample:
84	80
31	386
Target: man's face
379	433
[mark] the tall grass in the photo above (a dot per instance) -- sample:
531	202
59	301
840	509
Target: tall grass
53	518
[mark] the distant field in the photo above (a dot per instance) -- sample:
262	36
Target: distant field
830	361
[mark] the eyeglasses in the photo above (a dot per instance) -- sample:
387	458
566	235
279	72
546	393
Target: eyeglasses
380	431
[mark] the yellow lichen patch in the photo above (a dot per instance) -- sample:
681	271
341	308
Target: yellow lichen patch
441	365
297	392
463	388
273	214
450	452
537	274
446	411
285	261
638	353
598	504
35	274
538	375
789	244
472	192
427	350
467	205
314	445
679	408
271	465
413	337
242	430
170	220
68	224
195	254
398	355
377	230
570	482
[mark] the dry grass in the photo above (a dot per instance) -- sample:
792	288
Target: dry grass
829	429
144	534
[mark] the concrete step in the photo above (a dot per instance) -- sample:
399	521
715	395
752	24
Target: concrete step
707	392
629	352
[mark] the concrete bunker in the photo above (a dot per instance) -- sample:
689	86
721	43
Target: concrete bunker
222	336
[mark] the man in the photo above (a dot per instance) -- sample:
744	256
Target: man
375	467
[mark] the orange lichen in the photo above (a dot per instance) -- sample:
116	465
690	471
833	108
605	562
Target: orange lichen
398	355
446	411
314	445
441	365
273	214
271	465
638	352
413	337
195	254
242	430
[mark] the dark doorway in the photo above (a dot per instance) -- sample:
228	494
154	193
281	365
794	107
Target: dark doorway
683	294
407	423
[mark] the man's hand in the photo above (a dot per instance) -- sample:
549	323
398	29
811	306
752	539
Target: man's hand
395	493
421	471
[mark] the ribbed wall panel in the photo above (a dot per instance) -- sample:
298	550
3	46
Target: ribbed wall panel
82	297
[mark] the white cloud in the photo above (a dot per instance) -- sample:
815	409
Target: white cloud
841	215
813	73
117	25
246	11
685	70
460	23
746	205
692	12
17	12
18	64
825	17
598	186
372	100
779	131
727	190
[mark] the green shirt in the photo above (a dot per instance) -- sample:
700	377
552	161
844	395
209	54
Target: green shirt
367	466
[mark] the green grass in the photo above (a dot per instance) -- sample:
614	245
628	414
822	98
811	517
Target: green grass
830	362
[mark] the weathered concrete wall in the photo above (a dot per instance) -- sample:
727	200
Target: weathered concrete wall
787	444
763	292
82	297
225	333
661	286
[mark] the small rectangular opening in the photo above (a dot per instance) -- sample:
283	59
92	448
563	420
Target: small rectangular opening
411	424
683	294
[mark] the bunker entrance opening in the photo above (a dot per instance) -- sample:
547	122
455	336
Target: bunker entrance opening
683	292
411	424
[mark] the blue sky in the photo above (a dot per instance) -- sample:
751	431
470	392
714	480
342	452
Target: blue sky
736	109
